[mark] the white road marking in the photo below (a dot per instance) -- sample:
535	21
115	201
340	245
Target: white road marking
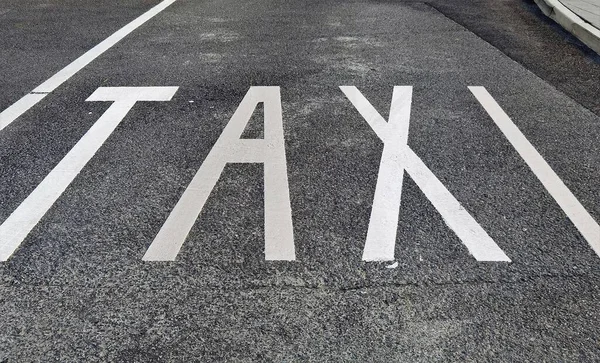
26	102
229	148
582	220
383	225
396	158
18	108
20	223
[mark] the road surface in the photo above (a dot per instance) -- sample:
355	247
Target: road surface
241	181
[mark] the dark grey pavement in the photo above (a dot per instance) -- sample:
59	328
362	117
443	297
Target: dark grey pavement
41	37
77	289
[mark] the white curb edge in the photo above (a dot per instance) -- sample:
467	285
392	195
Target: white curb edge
584	31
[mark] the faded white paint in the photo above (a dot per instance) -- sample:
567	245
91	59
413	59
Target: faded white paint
396	158
20	223
230	148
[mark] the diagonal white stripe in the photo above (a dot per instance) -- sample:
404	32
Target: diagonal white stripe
586	225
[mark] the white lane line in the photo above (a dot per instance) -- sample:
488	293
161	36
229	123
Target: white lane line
230	148
20	223
18	108
26	102
396	158
584	222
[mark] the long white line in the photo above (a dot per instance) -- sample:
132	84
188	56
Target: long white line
28	101
18	108
586	225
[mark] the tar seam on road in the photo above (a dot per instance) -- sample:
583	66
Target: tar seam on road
28	101
584	222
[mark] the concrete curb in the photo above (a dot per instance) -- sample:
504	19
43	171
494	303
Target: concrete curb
584	31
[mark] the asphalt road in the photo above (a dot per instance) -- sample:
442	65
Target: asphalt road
78	287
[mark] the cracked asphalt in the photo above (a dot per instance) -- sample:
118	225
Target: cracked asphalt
77	289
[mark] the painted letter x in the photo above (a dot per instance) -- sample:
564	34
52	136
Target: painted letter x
398	157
